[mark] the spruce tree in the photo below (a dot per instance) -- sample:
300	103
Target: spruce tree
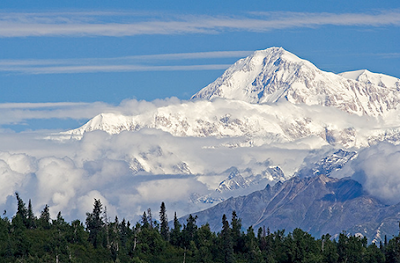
190	229
22	212
145	221
150	217
123	233
44	219
95	223
236	224
175	237
31	220
164	229
227	246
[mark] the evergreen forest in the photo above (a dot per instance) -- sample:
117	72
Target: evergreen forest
26	238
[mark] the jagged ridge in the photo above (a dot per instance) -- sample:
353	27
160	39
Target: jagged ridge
317	205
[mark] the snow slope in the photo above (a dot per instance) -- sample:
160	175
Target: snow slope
269	78
272	75
255	124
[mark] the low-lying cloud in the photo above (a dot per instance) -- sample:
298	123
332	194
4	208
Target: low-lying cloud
377	169
132	171
68	175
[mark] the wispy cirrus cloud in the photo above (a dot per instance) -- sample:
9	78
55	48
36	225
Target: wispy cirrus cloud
16	113
118	24
389	55
30	105
117	64
110	68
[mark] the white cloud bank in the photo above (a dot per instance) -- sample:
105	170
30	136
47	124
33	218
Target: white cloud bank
68	175
377	168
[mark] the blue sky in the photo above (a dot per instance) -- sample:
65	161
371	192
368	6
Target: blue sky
63	62
70	54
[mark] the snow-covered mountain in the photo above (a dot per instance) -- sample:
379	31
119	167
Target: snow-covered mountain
272	75
252	124
245	179
267	77
269	99
267	118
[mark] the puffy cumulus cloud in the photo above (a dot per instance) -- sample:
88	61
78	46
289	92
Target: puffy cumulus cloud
86	203
19	163
68	175
10	181
377	168
58	181
15	174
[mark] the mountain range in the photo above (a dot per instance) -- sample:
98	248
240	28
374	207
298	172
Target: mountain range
271	102
266	78
318	205
269	99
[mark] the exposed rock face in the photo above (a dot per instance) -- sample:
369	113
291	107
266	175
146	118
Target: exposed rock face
318	205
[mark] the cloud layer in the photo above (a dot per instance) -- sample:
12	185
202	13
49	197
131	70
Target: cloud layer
117	64
377	169
18	113
132	171
68	175
81	24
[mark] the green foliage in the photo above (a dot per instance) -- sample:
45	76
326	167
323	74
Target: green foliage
164	229
95	225
44	219
226	241
26	238
176	235
188	231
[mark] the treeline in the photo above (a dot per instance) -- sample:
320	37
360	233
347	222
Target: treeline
25	238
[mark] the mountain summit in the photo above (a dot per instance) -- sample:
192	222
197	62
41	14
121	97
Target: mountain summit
313	104
274	74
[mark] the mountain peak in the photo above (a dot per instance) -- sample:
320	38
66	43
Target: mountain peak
274	74
249	78
355	74
369	78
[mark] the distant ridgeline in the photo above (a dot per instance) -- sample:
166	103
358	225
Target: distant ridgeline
26	238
